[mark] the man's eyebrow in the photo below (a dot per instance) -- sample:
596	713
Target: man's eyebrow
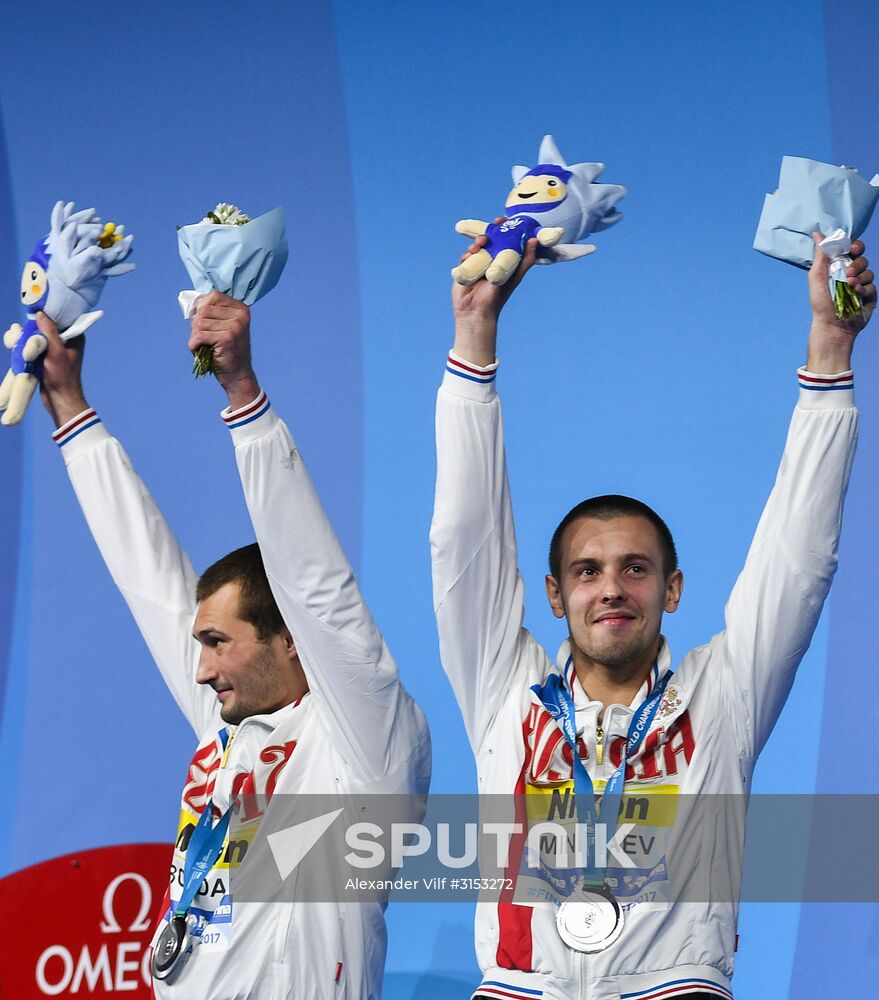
205	632
637	557
628	557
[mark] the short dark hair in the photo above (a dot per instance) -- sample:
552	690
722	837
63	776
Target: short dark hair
605	508
256	603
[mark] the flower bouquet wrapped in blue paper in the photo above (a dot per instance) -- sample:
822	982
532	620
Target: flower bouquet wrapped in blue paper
812	196
234	254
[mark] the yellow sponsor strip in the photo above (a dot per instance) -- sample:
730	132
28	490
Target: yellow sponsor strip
235	846
656	806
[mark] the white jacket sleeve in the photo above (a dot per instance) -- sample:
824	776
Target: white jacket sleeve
477	591
147	564
776	602
350	671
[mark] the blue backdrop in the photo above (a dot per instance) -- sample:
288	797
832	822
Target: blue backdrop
661	367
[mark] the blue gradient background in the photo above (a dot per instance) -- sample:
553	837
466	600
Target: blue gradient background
662	366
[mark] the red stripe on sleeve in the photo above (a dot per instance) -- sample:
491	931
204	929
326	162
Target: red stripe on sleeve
62	432
238	414
467	368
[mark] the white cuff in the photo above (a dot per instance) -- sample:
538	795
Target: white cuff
250	422
826	392
463	378
80	433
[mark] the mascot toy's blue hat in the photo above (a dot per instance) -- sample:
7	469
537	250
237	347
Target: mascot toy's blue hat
40	254
551	169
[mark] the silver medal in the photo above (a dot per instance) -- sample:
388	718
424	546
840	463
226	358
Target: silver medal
591	920
172	947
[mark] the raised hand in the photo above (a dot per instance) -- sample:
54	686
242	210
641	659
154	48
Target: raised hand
223	324
831	339
61	382
478	305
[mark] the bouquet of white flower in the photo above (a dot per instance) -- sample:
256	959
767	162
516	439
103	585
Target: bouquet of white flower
818	197
226	215
234	254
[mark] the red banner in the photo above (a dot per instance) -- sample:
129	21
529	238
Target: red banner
81	925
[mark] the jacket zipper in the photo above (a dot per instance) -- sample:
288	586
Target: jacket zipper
227	748
599	745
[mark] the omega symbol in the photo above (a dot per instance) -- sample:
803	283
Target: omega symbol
110	925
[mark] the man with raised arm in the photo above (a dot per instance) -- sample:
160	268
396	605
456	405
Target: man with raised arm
610	715
276	662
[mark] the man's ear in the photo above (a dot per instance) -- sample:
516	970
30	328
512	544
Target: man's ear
289	644
673	590
554	593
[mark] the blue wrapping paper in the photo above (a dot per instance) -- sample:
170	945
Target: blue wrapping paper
244	262
813	195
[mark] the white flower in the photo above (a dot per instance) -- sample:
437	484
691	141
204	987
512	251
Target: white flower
226	215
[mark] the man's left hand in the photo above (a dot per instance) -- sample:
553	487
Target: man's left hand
831	339
223	324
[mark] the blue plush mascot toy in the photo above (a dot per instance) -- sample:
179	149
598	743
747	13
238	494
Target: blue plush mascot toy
63	278
552	202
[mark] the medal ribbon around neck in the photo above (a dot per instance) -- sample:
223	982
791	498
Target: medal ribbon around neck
205	846
557	700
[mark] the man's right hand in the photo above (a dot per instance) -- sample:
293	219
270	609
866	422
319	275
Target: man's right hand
223	324
478	306
61	385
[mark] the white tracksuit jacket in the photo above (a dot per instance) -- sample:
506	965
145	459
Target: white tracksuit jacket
716	714
356	730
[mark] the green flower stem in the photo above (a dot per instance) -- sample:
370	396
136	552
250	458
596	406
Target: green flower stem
203	361
846	301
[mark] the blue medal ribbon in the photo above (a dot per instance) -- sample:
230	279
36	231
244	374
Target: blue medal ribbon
557	700
205	846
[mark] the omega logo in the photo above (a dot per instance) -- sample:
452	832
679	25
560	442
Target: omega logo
110	925
117	966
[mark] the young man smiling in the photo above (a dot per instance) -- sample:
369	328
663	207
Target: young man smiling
287	683
610	715
613	572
